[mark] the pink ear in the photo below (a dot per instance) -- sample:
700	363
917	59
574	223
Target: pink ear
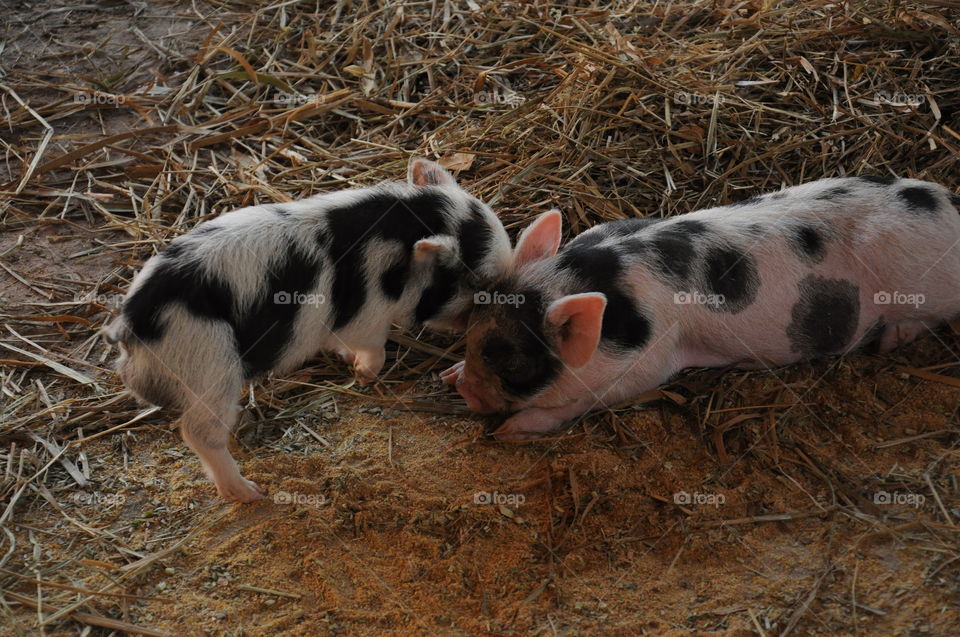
423	172
431	247
578	318
540	240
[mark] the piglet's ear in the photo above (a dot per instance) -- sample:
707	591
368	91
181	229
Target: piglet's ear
436	247
423	172
578	320
540	240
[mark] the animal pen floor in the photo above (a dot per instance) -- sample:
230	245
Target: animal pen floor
823	497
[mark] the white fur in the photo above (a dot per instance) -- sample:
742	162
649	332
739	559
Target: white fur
195	365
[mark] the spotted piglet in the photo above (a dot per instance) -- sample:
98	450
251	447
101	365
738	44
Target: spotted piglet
264	288
823	268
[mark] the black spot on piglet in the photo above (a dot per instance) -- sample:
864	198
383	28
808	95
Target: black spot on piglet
174	250
732	273
599	269
394	279
440	291
918	199
675	253
674	247
474	237
690	226
265	329
824	318
809	244
833	193
202	294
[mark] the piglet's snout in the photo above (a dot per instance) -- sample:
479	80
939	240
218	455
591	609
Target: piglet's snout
475	401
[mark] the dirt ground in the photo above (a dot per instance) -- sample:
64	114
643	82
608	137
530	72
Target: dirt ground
819	499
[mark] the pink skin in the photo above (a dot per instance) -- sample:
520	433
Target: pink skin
870	246
605	380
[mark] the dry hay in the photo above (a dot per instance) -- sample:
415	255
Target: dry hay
126	125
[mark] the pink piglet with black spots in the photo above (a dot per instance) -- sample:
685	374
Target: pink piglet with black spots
828	267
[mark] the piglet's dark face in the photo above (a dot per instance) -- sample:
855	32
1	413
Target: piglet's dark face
509	358
518	351
520	341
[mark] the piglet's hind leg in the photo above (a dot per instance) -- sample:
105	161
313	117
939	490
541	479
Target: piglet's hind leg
897	334
206	429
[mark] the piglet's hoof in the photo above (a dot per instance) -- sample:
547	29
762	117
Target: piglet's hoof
452	374
367	363
242	491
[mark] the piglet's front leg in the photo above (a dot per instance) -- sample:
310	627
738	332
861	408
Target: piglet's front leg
452	374
367	363
533	422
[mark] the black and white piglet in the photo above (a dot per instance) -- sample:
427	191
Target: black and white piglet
817	269
264	288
